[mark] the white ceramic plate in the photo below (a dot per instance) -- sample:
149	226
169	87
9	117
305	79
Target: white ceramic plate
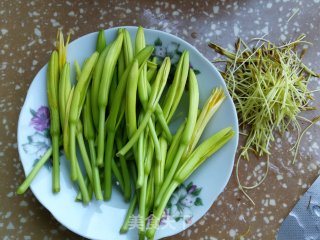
102	220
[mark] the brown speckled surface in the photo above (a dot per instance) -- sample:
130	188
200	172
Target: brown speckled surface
27	33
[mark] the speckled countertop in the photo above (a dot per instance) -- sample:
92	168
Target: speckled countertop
28	30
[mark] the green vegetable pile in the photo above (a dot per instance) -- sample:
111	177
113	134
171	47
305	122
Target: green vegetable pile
118	113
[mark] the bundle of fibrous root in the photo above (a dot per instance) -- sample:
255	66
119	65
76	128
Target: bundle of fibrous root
268	84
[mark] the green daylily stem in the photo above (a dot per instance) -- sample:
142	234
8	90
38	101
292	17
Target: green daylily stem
158	110
155	140
123	151
89	133
106	78
159	167
90	191
117	174
96	78
78	69
81	88
152	72
101	42
177	87
64	90
66	131
125	173
140	42
132	206
111	128
113	88
95	171
83	152
73	157
77	103
142	87
121	65
133	171
186	135
159	210
143	191
142	204
156	91
101	136
131	95
53	101
170	174
150	194
26	183
56	165
163	123
140	161
127	47
174	147
108	164
82	185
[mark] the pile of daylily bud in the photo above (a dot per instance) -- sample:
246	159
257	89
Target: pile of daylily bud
118	111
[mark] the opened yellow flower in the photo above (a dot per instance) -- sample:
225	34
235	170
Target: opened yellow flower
210	107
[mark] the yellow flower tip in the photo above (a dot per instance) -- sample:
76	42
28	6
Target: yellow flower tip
59	39
61	47
68	39
216	98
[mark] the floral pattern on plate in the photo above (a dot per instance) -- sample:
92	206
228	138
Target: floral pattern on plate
182	202
39	142
172	51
